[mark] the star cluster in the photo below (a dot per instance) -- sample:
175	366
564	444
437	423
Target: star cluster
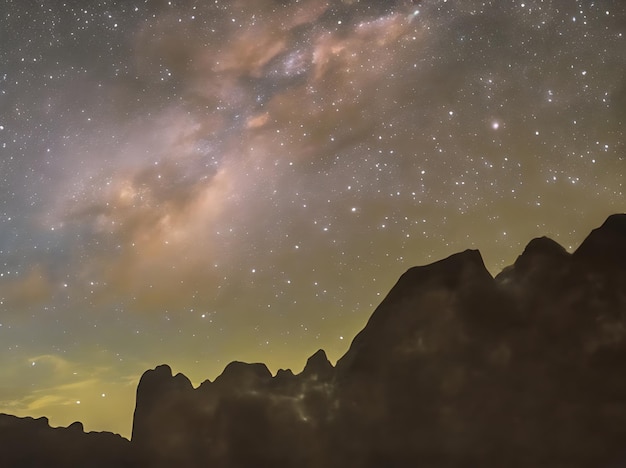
195	182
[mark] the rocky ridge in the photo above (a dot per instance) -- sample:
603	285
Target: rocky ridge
454	368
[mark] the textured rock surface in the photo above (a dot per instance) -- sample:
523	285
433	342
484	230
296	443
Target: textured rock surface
455	368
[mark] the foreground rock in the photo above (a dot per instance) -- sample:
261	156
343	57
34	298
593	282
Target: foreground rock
454	369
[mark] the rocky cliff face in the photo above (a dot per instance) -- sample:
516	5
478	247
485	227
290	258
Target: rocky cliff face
454	368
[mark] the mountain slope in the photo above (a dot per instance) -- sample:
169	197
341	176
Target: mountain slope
455	368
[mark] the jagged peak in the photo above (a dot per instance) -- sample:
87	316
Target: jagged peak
606	244
160	373
460	272
257	368
544	246
454	264
161	377
205	384
245	374
76	426
466	257
318	365
182	380
540	249
318	357
43	420
615	222
457	269
162	370
284	373
284	377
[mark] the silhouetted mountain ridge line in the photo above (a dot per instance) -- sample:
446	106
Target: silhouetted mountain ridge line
542	247
242	374
454	368
32	442
318	366
605	245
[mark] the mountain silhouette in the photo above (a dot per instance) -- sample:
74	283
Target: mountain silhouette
28	442
455	368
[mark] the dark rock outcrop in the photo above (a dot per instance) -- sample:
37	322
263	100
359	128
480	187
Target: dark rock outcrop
241	377
455	368
605	246
28	442
318	367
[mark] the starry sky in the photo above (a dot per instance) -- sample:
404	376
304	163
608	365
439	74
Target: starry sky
196	182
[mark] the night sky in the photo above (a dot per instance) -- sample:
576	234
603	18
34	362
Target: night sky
196	182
